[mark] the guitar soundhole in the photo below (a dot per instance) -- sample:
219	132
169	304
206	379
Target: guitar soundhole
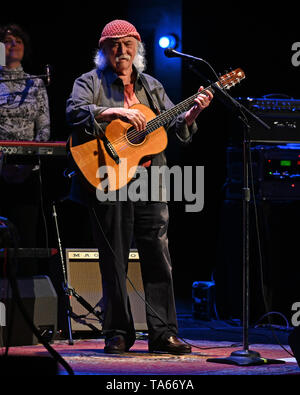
134	137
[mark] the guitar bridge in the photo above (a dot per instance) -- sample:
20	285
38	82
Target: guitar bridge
110	150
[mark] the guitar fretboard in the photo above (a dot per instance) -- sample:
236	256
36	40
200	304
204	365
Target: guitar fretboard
225	82
170	114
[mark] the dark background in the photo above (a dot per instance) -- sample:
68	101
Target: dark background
257	38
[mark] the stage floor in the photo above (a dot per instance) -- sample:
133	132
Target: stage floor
211	339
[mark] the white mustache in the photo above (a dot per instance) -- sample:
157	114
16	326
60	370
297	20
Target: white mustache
126	57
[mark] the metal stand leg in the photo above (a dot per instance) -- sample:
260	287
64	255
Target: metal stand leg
65	281
71	291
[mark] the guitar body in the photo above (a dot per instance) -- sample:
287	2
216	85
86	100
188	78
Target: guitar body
101	170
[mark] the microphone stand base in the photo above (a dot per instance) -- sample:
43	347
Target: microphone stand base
245	358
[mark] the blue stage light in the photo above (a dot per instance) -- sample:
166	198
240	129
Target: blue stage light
167	41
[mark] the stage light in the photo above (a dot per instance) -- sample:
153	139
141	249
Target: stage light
168	41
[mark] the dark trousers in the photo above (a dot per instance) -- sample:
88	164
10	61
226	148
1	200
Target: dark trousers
114	227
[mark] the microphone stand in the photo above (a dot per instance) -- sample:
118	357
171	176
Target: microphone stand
65	282
71	291
46	76
29	77
244	357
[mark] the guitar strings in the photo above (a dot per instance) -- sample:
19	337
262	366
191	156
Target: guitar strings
133	135
161	119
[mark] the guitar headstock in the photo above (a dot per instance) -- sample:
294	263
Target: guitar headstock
231	79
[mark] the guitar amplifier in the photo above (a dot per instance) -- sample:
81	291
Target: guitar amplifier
281	114
84	277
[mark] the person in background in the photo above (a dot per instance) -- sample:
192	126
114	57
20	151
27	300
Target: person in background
106	93
24	116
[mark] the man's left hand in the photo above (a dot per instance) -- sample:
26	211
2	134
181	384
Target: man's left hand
201	102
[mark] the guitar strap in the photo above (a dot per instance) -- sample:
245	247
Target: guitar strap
152	100
148	91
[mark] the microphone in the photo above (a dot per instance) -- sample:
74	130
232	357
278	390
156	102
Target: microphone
171	53
48	74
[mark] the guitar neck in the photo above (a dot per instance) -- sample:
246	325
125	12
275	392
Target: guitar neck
173	112
225	82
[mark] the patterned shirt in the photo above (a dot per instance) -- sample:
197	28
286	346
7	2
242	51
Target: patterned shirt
24	107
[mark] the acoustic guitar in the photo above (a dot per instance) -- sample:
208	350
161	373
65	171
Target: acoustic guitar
109	162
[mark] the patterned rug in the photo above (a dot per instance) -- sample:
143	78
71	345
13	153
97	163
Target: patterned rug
86	357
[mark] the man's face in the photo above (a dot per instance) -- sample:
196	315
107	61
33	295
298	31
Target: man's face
120	53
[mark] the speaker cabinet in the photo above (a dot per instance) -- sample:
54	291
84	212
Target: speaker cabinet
84	277
40	302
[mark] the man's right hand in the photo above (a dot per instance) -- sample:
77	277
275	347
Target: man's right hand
132	116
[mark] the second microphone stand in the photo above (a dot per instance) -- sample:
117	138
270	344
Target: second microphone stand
68	291
244	357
